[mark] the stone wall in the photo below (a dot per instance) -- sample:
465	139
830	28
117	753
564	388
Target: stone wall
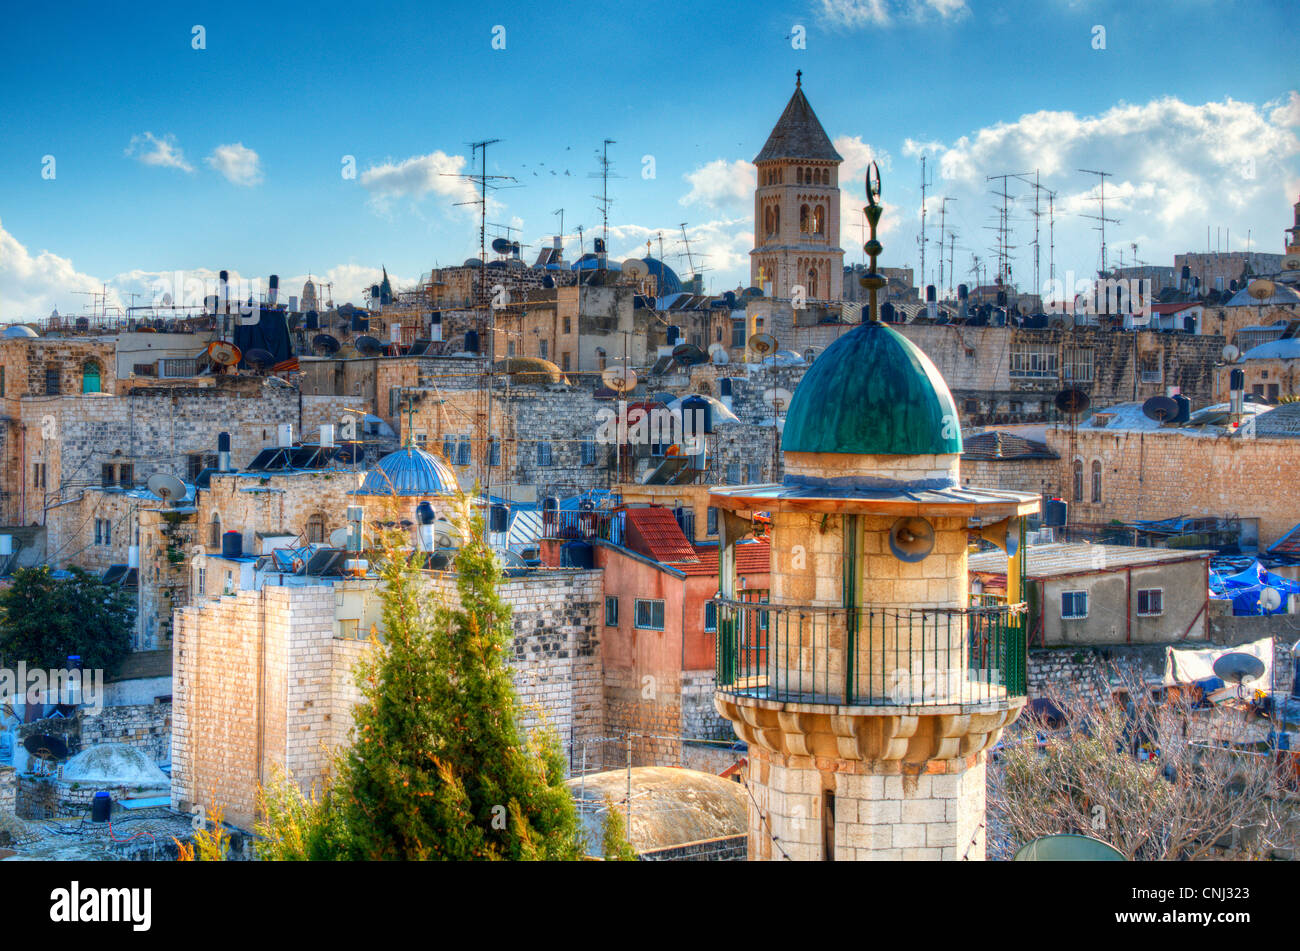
8	790
145	726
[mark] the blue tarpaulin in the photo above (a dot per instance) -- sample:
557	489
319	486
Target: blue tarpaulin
1245	587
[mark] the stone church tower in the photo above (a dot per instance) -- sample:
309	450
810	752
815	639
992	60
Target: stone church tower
797	208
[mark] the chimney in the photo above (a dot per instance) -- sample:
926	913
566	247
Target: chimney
223	452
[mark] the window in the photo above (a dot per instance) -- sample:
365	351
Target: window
733	473
463	451
1074	605
203	581
99	534
1153	367
510	348
449	446
710	616
1078	481
1033	360
543	345
421	440
173	367
737	333
316	529
52	387
1096	481
804	215
494	451
38	475
611	612
711	522
214	538
1076	364
108	532
107	475
649	615
568	326
126	476
588	450
196	462
2	381
544	454
1151	602
819	220
754	473
564	361
970	407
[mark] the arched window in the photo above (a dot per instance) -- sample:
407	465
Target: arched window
90	377
214	540
799	174
819	220
803	218
1078	480
767	220
1096	481
316	529
776	220
812	283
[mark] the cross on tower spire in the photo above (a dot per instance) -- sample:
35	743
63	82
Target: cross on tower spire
798	78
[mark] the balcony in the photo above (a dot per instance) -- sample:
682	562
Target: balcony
577	526
871	656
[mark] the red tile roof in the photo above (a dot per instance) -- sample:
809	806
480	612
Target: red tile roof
654	532
752	558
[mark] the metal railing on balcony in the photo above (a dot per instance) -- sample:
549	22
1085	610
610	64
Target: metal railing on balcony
873	655
582	526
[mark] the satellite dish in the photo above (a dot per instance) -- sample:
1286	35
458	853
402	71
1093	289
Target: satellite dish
762	344
501	245
223	353
619	379
1261	289
260	359
689	355
166	486
1160	408
46	746
911	539
325	345
1230	354
1291	263
1073	401
778	398
445	534
718	354
369	346
1067	847
1236	667
1270	599
635	268
340	537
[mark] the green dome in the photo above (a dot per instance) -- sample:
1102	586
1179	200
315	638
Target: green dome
872	392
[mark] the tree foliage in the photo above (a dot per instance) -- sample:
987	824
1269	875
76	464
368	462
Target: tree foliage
44	619
439	767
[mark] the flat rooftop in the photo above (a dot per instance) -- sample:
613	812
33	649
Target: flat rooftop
1077	558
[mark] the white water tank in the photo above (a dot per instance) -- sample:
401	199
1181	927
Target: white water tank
285	434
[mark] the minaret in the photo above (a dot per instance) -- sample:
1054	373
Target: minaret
797	208
869	687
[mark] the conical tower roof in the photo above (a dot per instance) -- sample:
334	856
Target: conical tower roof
798	133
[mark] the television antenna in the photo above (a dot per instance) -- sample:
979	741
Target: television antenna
605	174
1100	217
943	217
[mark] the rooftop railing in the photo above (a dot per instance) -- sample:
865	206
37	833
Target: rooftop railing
872	655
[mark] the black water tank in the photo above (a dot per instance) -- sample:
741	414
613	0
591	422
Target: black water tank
1055	512
962	292
674	332
690	405
931	295
232	544
100	807
498	518
576	555
1237	380
471	341
223	442
724	386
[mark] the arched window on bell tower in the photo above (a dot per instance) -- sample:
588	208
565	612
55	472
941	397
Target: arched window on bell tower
803	219
819	220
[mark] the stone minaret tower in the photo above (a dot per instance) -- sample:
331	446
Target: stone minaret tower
866	684
797	208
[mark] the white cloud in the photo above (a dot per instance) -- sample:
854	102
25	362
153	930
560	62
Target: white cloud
854	14
1174	168
34	284
722	184
239	164
162	152
437	173
721	245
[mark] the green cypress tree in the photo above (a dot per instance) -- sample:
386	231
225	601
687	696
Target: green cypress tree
440	768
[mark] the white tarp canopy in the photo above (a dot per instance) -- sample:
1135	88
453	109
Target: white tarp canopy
1191	666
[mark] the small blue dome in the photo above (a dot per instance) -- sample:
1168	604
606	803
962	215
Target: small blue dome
409	471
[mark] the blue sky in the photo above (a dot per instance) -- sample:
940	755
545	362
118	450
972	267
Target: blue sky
169	158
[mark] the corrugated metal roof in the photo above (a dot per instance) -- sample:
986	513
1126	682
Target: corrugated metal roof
1074	558
1000	445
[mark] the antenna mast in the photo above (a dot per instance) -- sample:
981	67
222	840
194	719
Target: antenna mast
943	217
604	175
1101	218
924	185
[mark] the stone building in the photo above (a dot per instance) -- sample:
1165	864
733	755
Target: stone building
797	208
867	689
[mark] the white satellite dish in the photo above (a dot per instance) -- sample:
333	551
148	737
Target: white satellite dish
1270	599
762	344
619	379
1261	289
446	535
166	486
339	537
635	268
718	354
1291	262
1230	354
778	398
